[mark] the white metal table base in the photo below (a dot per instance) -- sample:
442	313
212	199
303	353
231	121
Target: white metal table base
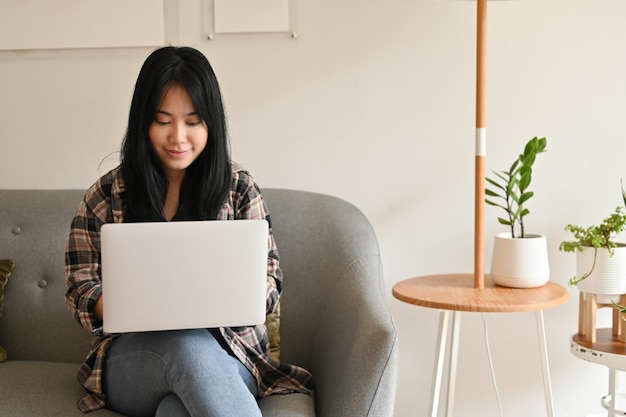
614	361
609	402
443	345
612	391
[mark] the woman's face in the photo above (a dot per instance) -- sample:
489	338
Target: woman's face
177	133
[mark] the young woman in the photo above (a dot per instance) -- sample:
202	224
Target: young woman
175	165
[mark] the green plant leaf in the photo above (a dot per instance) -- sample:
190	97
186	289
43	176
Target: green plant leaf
540	144
503	175
531	146
491	193
526	196
524	180
528	160
513	184
504	221
495	184
491	203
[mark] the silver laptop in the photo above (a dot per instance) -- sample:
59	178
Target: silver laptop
183	275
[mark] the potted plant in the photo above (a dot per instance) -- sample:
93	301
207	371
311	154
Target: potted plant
600	260
519	259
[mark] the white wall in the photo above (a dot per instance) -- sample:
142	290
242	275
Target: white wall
374	102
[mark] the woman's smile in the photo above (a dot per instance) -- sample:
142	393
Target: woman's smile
177	154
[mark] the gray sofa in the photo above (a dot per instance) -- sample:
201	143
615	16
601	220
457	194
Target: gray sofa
334	320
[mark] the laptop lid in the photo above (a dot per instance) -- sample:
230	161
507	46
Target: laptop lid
183	275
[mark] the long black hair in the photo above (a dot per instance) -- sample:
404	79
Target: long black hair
207	180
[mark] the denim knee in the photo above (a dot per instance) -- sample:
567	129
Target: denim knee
171	406
192	364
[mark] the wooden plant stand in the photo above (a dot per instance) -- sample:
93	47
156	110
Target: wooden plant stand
587	308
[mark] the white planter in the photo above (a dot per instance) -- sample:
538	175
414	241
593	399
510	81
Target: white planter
608	276
520	263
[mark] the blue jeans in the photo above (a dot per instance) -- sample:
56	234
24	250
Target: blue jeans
177	373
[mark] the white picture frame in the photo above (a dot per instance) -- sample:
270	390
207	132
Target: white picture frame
68	24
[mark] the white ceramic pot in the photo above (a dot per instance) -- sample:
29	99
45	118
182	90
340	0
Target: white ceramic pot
520	262
608	276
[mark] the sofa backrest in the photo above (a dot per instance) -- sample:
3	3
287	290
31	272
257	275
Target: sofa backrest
318	237
36	323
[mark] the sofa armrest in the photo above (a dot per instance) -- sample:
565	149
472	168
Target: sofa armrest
354	360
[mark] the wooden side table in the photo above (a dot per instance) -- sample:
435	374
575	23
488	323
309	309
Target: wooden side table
455	293
608	350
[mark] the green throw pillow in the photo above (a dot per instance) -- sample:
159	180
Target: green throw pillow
6	267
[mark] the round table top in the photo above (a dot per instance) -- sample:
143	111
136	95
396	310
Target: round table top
607	350
456	292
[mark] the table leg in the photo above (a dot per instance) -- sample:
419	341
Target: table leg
454	350
543	351
440	359
612	391
442	346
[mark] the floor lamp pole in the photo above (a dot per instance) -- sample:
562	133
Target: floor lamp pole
481	144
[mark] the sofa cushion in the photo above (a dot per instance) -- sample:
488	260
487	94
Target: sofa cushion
288	405
42	389
50	389
6	267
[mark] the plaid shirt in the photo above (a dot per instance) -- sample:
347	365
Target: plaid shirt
104	203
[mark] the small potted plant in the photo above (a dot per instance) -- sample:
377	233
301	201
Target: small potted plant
600	260
519	259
